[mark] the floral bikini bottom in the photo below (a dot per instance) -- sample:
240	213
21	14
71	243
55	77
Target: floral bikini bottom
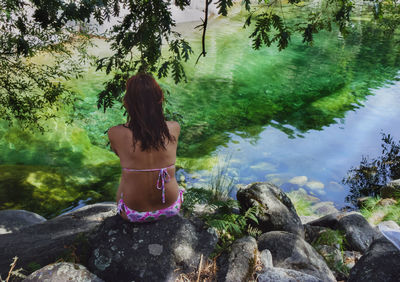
136	216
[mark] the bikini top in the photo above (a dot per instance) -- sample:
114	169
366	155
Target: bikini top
162	175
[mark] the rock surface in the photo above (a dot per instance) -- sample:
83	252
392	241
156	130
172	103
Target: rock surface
266	258
312	233
241	261
277	274
46	241
61	272
157	251
276	210
292	252
308	218
390	224
358	232
380	263
14	220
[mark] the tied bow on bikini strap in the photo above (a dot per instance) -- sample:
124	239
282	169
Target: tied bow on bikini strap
164	176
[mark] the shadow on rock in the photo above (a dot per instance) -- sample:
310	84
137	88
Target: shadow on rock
157	251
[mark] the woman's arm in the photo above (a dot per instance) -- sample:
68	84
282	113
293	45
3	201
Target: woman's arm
111	135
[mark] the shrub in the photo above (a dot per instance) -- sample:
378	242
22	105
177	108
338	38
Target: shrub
371	175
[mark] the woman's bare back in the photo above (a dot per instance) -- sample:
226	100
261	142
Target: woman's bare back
140	188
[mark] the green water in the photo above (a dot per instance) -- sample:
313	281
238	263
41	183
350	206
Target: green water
235	89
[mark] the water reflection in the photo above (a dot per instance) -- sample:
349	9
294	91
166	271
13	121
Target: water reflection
298	118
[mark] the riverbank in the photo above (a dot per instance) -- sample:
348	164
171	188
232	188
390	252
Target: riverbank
340	245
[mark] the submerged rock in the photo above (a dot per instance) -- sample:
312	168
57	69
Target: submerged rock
291	251
381	262
157	251
276	210
45	243
323	208
14	220
61	272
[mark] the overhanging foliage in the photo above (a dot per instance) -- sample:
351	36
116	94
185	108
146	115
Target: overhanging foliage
59	29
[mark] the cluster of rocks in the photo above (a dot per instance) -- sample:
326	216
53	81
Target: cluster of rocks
107	248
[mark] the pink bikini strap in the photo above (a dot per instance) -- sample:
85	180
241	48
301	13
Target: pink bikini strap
163	175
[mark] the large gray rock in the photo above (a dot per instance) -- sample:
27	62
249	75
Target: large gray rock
380	263
292	252
241	261
277	274
61	272
46	242
358	232
307	218
14	220
276	210
266	258
157	251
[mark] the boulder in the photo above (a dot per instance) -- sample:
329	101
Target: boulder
330	221
276	211
275	274
46	242
291	251
156	251
381	262
266	258
358	232
389	224
308	218
241	261
61	272
14	220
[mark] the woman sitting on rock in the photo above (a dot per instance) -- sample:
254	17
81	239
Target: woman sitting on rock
146	146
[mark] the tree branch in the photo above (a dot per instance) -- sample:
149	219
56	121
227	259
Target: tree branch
203	38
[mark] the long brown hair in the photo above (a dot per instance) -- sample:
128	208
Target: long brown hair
143	101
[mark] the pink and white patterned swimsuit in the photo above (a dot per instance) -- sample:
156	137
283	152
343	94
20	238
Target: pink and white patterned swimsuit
136	216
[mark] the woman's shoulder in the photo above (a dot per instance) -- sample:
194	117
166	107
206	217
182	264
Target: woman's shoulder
173	125
114	130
